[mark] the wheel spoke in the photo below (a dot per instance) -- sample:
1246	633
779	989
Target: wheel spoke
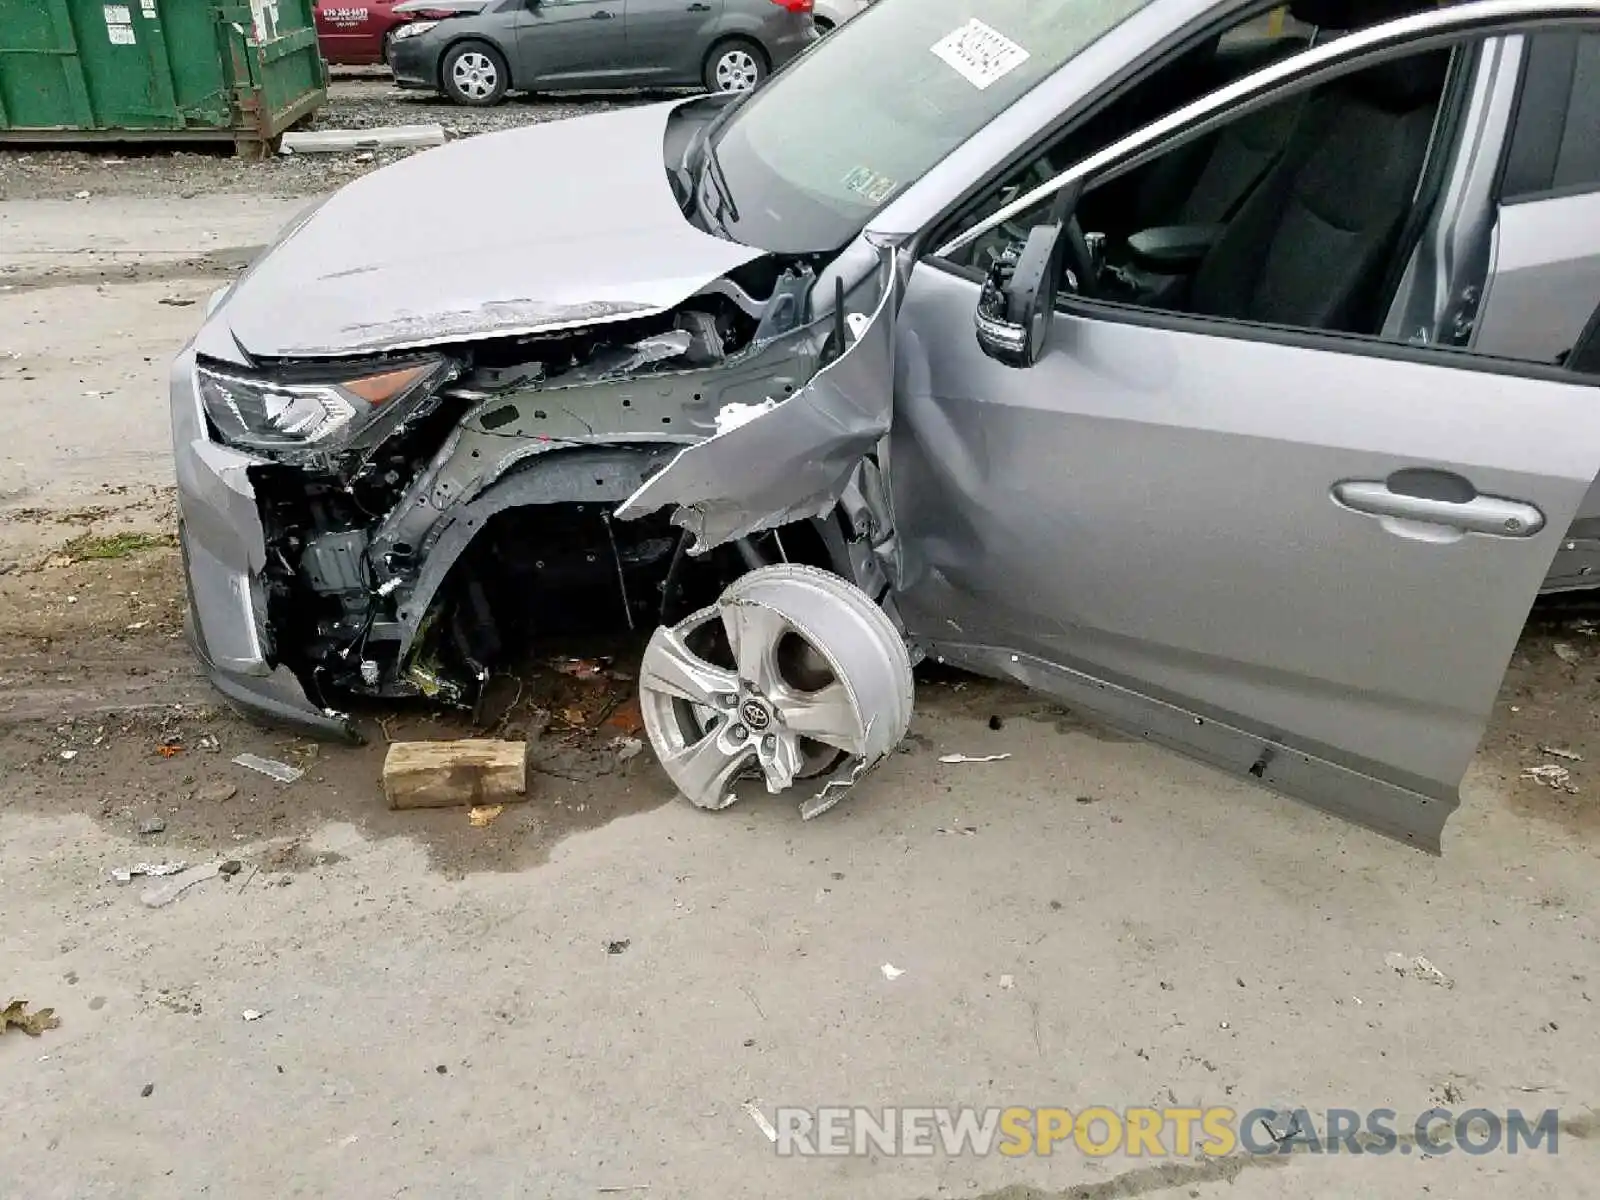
704	770
670	666
828	716
753	633
780	759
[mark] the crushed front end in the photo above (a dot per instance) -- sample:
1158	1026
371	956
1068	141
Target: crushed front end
396	524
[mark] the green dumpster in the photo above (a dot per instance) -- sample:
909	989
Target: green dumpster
157	70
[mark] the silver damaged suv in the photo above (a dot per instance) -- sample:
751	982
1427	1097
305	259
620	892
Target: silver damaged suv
1232	377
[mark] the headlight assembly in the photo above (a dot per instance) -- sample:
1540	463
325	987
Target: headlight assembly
280	418
411	29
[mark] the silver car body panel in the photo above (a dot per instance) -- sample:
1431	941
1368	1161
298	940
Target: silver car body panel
1187	547
1545	278
357	277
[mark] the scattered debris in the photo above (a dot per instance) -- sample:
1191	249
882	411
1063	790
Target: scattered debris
251	1014
578	668
147	1090
1551	775
890	971
152	825
972	758
15	1015
449	774
125	875
1558	752
966	830
1008	982
68	755
1417	968
80	195
760	1119
483	815
339	141
176	301
1567	654
626	1187
627	748
169	749
618	946
165	893
269	767
217	792
231	868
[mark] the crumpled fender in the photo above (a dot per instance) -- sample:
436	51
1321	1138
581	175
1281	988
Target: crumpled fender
794	460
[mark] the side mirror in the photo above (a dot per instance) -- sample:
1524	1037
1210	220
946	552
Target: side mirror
1019	298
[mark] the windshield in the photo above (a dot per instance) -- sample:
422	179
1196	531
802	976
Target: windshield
809	157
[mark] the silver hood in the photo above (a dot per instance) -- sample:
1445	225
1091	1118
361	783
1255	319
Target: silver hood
455	6
544	227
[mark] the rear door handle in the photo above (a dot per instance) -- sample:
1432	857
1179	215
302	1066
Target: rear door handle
601	15
1439	498
699	8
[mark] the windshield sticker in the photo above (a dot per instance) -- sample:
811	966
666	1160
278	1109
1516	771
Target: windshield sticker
866	182
979	54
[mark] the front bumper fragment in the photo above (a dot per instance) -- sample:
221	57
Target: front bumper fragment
223	547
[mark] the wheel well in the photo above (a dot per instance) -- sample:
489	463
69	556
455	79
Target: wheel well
473	40
743	39
822	23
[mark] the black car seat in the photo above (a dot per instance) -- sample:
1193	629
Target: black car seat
1311	246
1205	182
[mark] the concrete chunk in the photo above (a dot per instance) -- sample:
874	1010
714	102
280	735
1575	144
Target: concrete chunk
475	771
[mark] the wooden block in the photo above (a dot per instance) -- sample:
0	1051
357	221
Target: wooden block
448	774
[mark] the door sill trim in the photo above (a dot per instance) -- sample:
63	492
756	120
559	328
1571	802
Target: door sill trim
1413	817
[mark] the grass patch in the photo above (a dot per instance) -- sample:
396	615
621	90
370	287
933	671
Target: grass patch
116	545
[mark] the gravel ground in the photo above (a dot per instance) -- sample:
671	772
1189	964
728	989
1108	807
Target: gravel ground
357	100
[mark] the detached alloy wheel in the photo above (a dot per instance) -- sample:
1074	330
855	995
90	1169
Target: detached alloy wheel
794	674
475	74
736	66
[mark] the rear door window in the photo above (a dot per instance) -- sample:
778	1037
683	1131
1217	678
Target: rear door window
1555	147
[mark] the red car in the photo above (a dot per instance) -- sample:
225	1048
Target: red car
356	32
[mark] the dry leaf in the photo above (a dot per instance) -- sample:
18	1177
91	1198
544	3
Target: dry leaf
16	1016
627	718
484	814
573	716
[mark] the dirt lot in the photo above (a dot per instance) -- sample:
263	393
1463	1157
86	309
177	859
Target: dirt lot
582	995
359	99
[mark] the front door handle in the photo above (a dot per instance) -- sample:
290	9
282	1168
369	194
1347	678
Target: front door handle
601	15
699	8
1439	498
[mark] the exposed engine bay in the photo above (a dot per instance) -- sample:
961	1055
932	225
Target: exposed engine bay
473	509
